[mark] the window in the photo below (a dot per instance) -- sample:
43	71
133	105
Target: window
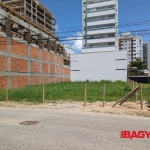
66	63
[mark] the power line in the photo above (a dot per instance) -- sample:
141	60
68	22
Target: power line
144	32
75	29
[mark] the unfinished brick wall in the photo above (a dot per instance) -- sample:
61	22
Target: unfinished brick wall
35	67
3	81
19	81
45	55
19	48
34	52
3	63
23	64
19	65
3	45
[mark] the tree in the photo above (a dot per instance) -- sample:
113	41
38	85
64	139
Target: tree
139	63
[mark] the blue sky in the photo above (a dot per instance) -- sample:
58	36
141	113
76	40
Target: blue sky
134	15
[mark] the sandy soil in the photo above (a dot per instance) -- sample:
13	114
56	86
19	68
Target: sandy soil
128	108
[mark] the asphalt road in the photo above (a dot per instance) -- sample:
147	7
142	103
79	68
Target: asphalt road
60	130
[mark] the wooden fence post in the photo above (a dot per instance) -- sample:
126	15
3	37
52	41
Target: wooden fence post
104	94
133	84
7	94
129	83
136	93
43	93
85	94
141	96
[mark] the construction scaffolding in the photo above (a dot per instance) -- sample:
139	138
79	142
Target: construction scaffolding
17	23
34	11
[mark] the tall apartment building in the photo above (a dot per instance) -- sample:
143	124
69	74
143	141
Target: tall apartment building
146	54
35	11
99	25
132	44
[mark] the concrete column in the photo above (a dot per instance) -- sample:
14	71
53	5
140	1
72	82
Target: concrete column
29	64
9	60
32	9
48	66
44	18
41	68
36	13
25	8
55	66
59	67
63	69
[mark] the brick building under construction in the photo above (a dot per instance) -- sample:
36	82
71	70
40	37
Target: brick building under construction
30	52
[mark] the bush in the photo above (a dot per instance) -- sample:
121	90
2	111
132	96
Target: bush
127	88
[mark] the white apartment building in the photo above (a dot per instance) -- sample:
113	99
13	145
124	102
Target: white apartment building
132	44
99	25
146	54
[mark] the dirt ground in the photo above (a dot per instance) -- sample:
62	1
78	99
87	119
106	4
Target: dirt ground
128	108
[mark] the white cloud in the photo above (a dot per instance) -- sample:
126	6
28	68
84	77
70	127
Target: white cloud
57	27
76	42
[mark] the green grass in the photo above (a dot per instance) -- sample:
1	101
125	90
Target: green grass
73	91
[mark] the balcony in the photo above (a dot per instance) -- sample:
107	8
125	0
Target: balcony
101	21
101	31
109	11
101	40
100	3
99	49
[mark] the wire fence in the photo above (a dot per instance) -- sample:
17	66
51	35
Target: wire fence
104	91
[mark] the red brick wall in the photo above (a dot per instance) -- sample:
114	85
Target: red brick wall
3	63
66	71
66	79
57	59
3	45
35	67
3	82
45	55
45	80
35	80
45	68
61	79
57	69
61	70
19	48
52	79
52	69
19	81
19	65
52	58
61	60
34	52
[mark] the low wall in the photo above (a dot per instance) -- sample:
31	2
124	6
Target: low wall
23	64
99	66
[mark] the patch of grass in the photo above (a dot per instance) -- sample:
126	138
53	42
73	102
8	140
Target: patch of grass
74	91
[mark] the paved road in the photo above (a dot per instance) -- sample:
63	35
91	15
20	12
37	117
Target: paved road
60	130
